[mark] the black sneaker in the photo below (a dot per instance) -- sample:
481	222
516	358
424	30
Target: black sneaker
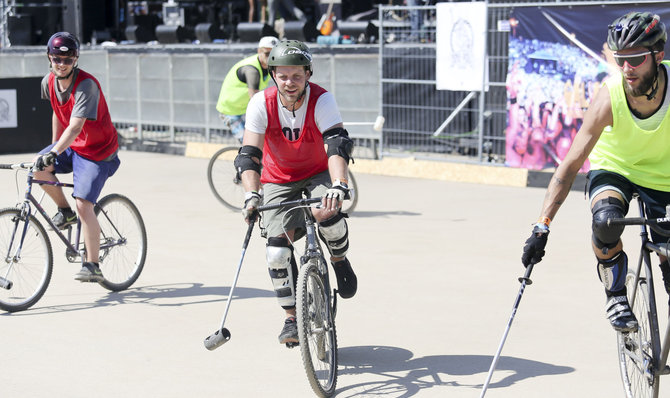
620	315
347	283
289	333
64	218
89	272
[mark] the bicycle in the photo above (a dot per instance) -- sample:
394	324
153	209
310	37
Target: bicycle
226	183
26	248
316	305
642	358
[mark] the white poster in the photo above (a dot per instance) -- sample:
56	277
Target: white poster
8	117
461	51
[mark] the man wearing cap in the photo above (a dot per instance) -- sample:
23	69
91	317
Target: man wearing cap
243	80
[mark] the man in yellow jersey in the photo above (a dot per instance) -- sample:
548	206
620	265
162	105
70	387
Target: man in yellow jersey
243	80
626	135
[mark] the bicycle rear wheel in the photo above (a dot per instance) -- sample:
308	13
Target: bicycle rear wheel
25	277
123	241
636	349
316	331
223	180
349	205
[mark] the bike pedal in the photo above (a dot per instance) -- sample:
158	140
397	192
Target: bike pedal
292	344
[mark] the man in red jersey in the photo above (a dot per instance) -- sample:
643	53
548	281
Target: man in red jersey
295	129
84	144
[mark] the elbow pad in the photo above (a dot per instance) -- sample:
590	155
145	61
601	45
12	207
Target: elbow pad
339	143
245	159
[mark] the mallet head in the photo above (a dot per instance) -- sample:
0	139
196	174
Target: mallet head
217	339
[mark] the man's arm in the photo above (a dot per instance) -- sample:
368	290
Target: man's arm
250	75
56	128
597	117
251	180
337	165
69	134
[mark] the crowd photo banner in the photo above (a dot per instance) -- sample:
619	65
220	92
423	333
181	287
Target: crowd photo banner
558	60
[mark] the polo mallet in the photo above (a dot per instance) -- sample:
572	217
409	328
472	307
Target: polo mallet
221	336
525	280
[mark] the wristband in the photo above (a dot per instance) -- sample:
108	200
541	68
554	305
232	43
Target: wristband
544	220
250	194
341	182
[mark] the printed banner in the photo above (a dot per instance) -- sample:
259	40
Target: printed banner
460	53
8	112
558	59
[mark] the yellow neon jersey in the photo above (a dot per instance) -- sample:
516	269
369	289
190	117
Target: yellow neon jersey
642	156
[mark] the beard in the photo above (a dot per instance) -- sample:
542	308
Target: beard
646	83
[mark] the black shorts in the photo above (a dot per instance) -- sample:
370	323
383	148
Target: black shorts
654	201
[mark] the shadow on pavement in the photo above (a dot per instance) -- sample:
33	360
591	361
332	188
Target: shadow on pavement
364	214
169	295
401	375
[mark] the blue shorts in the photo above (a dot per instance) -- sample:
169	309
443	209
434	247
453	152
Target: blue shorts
236	124
88	175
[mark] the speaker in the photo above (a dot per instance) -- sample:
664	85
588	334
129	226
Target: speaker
207	32
171	34
249	32
360	31
139	34
20	28
300	30
73	21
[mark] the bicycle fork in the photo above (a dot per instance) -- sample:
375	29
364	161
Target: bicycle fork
14	258
313	252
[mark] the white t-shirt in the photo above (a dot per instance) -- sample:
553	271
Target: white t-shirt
326	114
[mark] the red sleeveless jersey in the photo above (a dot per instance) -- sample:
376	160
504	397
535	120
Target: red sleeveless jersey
288	161
98	138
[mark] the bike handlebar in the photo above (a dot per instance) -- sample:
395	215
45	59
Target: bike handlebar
289	203
24	165
652	223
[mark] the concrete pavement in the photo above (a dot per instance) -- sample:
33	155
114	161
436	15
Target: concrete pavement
437	263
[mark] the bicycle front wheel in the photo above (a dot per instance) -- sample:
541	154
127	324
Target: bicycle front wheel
223	180
636	349
25	274
123	241
316	331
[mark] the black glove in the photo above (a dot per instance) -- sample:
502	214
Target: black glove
533	250
251	202
45	160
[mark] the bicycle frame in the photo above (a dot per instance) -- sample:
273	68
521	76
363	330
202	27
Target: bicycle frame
312	248
72	249
660	353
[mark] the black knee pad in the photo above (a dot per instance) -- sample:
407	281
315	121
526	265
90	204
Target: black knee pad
605	236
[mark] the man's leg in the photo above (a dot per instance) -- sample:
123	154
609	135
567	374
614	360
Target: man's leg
89	178
283	273
90	228
612	260
65	215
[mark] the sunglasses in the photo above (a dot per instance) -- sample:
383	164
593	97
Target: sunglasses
634	61
64	61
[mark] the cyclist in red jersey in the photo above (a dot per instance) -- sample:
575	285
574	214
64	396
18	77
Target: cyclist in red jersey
295	129
84	143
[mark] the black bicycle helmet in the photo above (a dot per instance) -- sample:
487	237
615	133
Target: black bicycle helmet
63	43
290	53
635	29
